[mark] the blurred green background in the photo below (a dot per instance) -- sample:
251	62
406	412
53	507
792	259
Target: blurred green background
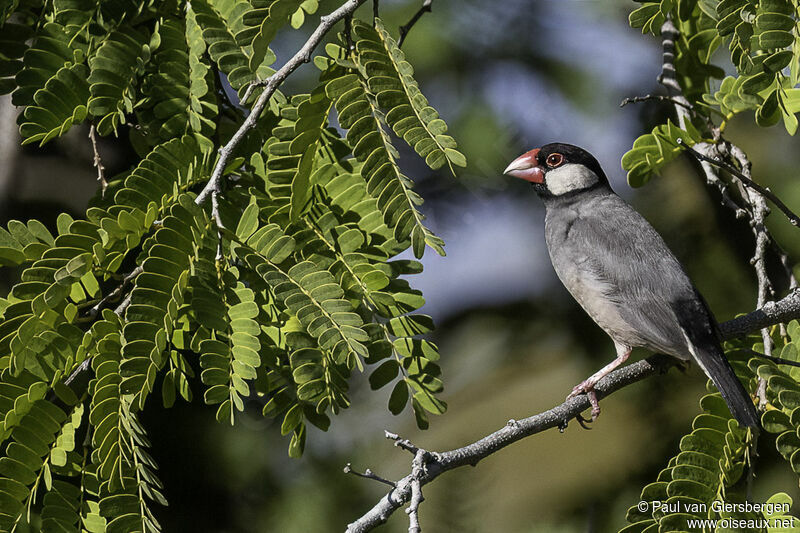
507	76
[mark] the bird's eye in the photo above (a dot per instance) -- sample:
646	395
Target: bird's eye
555	159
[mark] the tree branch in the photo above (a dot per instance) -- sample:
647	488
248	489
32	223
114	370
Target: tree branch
271	84
438	463
427	7
771	313
747	181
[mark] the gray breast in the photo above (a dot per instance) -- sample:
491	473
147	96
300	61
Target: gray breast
574	267
602	252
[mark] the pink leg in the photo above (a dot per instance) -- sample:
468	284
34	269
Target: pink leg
587	386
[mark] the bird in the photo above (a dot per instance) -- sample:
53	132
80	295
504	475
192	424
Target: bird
620	270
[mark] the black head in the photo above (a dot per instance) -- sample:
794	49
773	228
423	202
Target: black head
558	168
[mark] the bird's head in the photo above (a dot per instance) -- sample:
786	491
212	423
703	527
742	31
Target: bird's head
558	168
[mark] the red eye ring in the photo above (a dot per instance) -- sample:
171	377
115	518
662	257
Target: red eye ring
554	160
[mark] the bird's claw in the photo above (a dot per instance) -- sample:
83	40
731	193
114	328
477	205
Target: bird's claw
592	395
577	390
584	422
586	387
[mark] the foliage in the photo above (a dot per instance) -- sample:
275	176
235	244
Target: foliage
278	298
715	457
652	151
764	49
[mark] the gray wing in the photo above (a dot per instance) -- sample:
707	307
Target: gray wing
649	287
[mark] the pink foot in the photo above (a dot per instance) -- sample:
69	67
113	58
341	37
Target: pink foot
587	387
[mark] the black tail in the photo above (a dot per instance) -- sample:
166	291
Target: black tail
701	330
716	366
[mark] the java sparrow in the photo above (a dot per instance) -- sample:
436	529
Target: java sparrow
621	272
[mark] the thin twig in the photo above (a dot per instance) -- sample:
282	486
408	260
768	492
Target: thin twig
368	474
218	222
774	359
771	313
427	7
557	417
793	218
401	442
375	10
83	367
713	179
98	163
271	84
657	97
120	309
77	379
113	295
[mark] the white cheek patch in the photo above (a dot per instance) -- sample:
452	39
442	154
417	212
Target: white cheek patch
568	178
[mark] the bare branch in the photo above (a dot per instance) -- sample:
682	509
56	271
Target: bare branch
557	417
98	163
658	98
271	84
369	474
762	237
776	360
401	442
120	309
427	7
738	154
771	313
218	222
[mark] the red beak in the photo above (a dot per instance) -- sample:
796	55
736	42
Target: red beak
526	167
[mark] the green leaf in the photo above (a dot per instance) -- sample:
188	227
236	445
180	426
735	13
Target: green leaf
410	325
292	420
398	398
652	151
248	223
384	374
648	17
390	79
114	70
301	187
59	105
360	114
233	43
